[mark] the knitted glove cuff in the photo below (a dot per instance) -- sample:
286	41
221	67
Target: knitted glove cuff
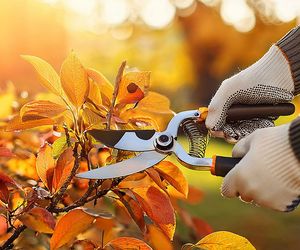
294	136
290	46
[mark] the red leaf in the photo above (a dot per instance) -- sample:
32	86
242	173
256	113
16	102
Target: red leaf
5	152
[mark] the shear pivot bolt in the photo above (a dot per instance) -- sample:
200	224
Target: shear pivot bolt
163	138
164	142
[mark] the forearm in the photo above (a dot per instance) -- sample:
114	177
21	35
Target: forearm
290	47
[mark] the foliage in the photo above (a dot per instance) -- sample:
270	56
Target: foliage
46	144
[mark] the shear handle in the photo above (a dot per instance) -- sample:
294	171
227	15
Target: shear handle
249	111
222	165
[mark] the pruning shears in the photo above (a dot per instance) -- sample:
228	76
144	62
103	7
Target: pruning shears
156	146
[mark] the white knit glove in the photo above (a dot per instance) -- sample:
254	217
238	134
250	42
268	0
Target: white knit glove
269	80
269	172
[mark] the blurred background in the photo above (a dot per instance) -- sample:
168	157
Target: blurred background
189	45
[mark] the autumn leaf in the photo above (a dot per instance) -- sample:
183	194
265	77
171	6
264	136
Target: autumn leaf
84	245
47	75
45	165
5	182
38	219
173	175
151	200
92	119
133	87
41	109
59	146
158	239
94	94
16	123
74	80
63	168
106	88
69	226
5	152
221	240
126	243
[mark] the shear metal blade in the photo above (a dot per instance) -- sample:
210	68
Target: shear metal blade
133	165
130	140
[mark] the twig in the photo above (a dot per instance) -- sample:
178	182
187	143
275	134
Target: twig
115	94
9	242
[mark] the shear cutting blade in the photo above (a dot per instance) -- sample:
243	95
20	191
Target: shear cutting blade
130	140
133	165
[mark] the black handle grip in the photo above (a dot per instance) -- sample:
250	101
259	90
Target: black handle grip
249	111
222	165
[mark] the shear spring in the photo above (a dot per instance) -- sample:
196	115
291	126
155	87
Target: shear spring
197	136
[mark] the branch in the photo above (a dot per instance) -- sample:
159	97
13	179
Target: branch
115	94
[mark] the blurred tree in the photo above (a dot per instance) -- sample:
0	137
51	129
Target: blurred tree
29	27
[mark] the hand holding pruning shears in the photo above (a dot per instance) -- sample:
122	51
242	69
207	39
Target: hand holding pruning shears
266	165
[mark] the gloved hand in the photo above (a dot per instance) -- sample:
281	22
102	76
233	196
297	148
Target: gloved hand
269	172
269	80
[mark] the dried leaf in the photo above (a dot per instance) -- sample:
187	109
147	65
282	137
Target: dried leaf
74	80
158	239
47	75
126	243
45	165
173	175
222	240
42	109
63	168
69	226
38	219
16	123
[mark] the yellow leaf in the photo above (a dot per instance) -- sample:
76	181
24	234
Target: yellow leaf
154	106
41	108
94	93
74	80
47	75
106	88
69	226
173	175
157	238
223	240
6	99
45	165
92	119
59	146
16	123
38	219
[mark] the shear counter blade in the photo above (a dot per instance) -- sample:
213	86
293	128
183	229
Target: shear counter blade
130	140
136	164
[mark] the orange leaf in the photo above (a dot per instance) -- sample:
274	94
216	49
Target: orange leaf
134	209
195	195
38	219
136	180
6	181
69	226
47	75
151	200
3	225
126	243
84	245
133	87
4	193
173	175
16	123
42	109
156	178
45	165
63	168
158	239
74	80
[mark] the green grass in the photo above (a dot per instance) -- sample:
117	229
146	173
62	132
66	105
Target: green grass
266	229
